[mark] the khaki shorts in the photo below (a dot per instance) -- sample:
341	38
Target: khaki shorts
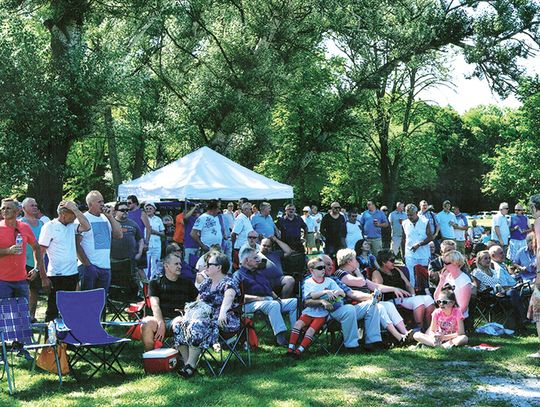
310	240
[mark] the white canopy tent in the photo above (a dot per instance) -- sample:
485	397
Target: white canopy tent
204	174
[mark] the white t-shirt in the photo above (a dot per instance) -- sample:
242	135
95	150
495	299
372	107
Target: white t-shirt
96	242
460	282
354	234
59	239
310	287
210	229
458	233
500	221
242	226
317	218
157	224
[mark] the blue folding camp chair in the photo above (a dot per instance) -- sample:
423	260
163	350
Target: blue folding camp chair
81	312
16	336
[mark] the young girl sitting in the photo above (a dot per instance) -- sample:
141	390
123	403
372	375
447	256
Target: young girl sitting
446	328
315	287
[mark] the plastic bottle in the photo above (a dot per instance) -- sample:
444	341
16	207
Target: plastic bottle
19	240
52	333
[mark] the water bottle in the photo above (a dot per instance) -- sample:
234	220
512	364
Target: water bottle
19	240
52	333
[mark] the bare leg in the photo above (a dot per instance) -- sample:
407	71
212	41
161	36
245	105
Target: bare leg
148	330
33	300
184	352
426	339
400	326
193	357
427	315
419	315
395	333
287	286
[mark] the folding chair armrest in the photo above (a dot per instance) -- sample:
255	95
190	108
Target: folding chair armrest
122	323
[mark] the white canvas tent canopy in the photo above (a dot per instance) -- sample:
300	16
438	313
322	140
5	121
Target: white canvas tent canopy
204	174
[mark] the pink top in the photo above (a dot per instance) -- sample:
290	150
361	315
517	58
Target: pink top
447	324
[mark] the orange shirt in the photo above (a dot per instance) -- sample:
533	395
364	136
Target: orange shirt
179	229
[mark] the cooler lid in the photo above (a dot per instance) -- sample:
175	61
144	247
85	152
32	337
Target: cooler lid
160	353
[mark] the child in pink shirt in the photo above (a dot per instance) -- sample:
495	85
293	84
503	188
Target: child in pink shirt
447	329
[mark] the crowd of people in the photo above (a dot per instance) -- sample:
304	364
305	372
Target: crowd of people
412	273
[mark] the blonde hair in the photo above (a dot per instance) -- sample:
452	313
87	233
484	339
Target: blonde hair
454	257
480	254
344	256
314	261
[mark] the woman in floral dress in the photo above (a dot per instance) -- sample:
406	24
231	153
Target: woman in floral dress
201	329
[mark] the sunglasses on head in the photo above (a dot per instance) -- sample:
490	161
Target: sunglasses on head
319	267
443	302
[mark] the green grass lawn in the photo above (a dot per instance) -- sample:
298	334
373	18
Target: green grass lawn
421	377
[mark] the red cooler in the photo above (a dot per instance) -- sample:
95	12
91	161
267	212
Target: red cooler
160	360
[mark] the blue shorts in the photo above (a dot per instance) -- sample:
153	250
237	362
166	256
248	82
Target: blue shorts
12	289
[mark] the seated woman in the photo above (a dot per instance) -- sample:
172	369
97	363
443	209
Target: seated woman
350	274
221	294
365	259
484	276
447	328
452	274
421	305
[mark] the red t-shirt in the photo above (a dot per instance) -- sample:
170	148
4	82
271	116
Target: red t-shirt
13	266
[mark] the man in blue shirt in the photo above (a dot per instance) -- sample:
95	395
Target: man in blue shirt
525	260
396	218
260	297
519	228
263	223
446	221
371	222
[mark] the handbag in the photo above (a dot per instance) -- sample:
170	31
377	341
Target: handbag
47	361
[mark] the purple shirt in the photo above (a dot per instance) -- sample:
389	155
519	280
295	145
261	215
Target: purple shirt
189	243
522	222
135	216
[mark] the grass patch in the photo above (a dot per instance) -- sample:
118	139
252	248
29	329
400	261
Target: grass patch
396	377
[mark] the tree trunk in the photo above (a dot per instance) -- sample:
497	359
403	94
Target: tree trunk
111	144
138	158
66	28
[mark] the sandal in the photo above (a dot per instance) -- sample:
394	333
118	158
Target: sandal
187	371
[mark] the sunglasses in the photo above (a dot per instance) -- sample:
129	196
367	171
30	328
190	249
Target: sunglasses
391	260
443	302
319	267
212	264
520	210
447	262
336	207
123	210
252	237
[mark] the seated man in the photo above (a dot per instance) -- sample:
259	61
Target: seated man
507	283
349	314
525	260
260	297
168	295
274	267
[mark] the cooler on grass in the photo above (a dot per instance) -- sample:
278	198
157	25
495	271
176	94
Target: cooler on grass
160	360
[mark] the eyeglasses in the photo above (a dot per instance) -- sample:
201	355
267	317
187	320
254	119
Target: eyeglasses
504	209
319	267
123	210
520	210
443	302
252	237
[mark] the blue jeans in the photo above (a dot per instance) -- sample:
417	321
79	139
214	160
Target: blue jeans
13	289
94	277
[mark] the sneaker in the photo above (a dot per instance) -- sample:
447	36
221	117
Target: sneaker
534	355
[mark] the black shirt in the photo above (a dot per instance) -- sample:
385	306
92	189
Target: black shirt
172	294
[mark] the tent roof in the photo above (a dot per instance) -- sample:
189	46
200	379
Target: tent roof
204	174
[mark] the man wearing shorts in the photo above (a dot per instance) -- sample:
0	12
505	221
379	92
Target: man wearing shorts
168	295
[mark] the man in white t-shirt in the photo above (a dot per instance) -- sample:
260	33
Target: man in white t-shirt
317	217
94	245
57	238
207	228
354	232
157	231
242	226
500	229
